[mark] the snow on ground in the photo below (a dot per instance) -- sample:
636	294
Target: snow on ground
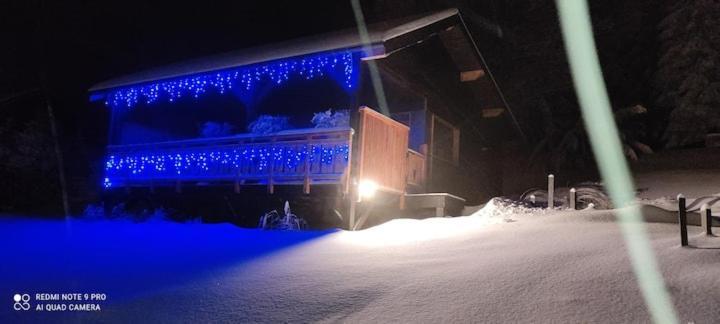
659	188
502	264
668	183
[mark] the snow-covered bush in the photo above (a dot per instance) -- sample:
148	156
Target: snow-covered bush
158	214
586	193
213	129
592	193
288	221
505	208
164	214
328	119
128	212
267	124
118	211
94	212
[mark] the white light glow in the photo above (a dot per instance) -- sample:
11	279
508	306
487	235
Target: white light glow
367	189
401	231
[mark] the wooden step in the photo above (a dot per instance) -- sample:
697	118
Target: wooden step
443	203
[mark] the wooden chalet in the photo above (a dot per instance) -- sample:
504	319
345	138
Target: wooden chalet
418	91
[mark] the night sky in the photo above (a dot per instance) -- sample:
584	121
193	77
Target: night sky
58	49
65	47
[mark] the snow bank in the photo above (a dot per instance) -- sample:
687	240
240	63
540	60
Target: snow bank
505	263
503	208
407	231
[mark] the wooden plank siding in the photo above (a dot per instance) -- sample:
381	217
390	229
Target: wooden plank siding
382	150
415	168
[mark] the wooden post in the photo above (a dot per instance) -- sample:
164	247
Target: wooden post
703	219
682	220
306	186
551	191
456	145
271	171
306	168
347	173
352	210
572	198
271	186
708	221
236	183
424	152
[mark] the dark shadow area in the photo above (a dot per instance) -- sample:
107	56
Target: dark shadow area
703	247
220	204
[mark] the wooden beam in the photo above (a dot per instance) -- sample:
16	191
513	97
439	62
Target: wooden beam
467	76
492	112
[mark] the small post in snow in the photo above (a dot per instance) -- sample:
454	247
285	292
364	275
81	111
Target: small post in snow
551	191
708	221
703	216
682	220
572	198
532	200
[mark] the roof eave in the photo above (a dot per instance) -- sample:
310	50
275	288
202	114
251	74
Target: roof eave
382	43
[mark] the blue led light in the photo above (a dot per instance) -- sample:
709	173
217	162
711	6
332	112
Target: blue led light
213	162
339	65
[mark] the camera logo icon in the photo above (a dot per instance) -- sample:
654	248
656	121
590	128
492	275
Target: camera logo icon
22	302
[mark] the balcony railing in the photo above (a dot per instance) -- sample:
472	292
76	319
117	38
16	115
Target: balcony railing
300	156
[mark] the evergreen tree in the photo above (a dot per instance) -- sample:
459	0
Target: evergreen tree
688	75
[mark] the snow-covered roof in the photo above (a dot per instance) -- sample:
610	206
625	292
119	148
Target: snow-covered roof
385	38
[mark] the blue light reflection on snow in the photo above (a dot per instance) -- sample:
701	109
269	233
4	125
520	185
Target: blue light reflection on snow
123	259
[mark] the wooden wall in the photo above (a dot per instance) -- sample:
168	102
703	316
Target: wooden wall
382	150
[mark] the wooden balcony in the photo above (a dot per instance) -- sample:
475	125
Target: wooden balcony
303	156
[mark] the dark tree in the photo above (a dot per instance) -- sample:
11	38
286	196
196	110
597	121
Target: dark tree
688	75
27	165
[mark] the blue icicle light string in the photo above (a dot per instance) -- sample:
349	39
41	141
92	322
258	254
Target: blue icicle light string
341	65
148	165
